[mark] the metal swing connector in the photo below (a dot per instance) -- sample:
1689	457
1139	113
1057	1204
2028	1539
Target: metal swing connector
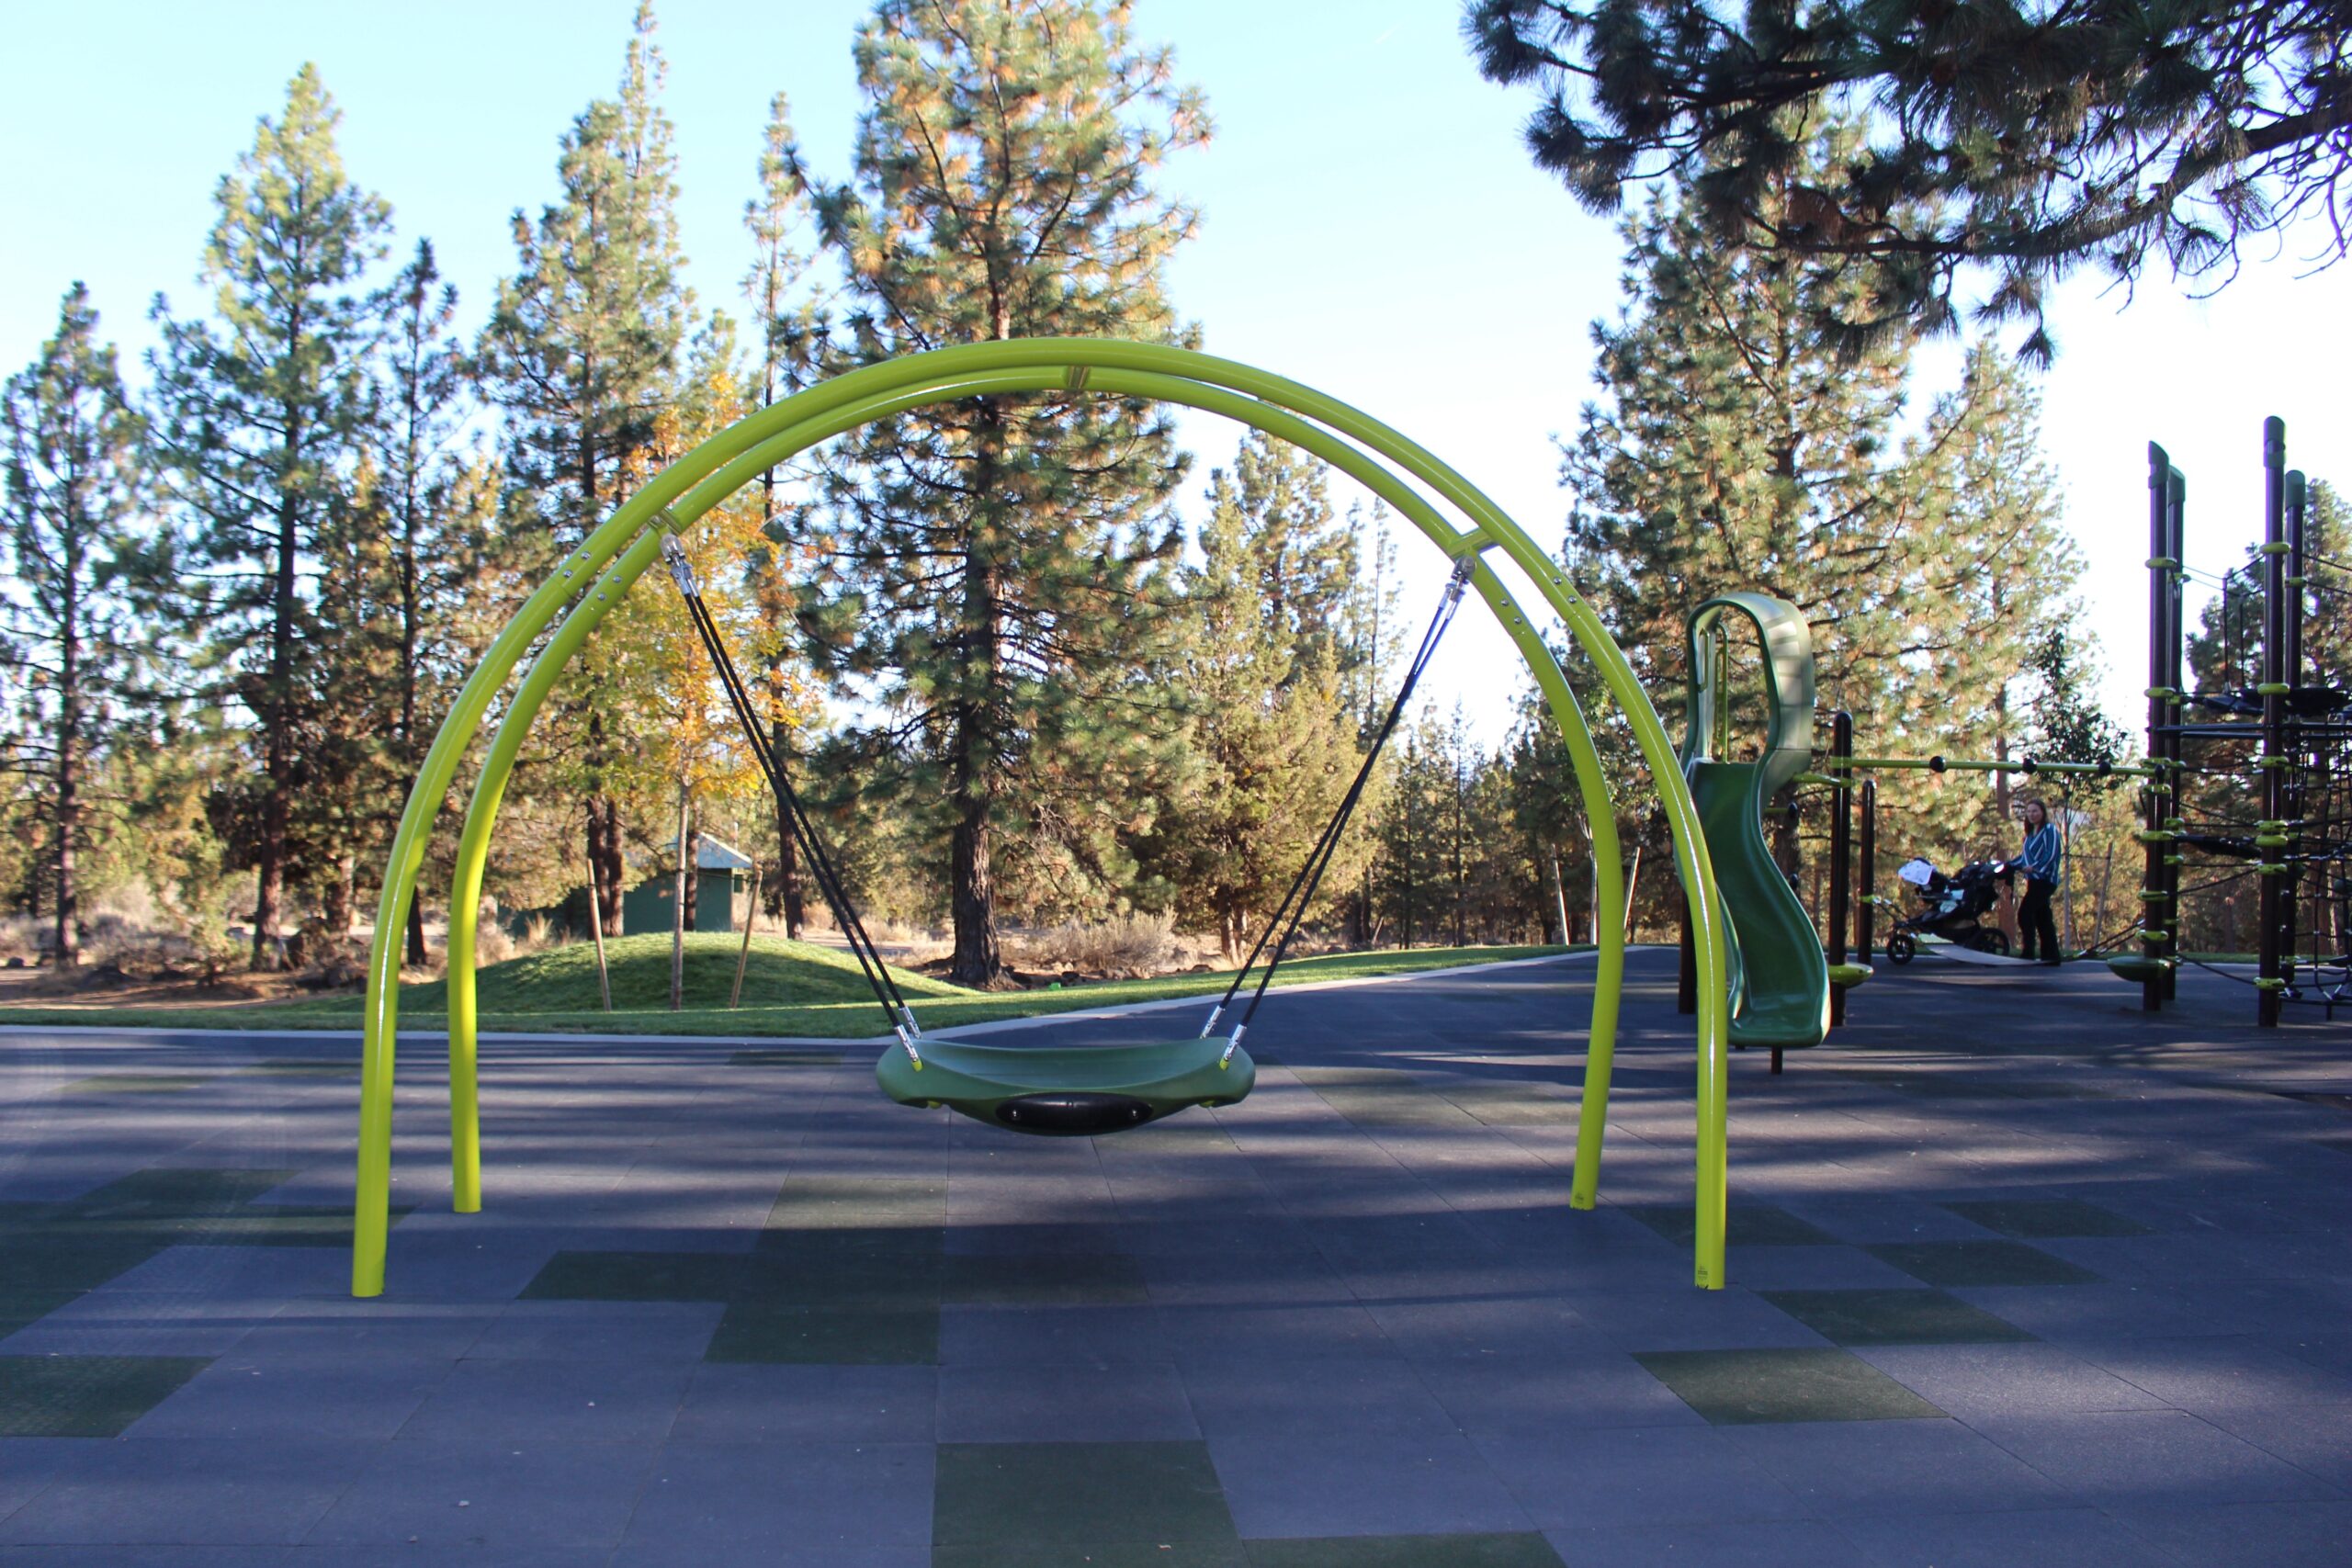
1232	1045
907	1020
1459	584
906	1044
1215	1014
681	571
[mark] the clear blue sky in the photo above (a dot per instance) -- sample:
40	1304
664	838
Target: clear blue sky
1371	227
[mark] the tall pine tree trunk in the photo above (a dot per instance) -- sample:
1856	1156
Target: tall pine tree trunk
277	740
790	898
979	959
69	781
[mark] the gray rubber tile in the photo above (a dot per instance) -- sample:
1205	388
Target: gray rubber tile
2312	1437
1051	1335
294	1400
1751	1224
598	1331
340	1329
190	1491
2035	1218
1895	1468
2032	1538
540	1496
2208	1375
1364	1485
2150	1458
1256	1395
1073	1403
708	1501
1630	1477
1674	1543
2249	1535
785	1404
1503	1397
1974	1381
548	1400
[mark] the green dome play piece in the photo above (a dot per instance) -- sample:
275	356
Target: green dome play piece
1067	1090
2137	967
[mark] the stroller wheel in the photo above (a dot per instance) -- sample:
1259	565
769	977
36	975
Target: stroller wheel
1901	947
1995	941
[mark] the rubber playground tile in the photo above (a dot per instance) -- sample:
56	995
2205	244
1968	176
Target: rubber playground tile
804	1503
1751	1224
2256	1535
859	1335
883	1278
2043	1218
136	1083
1747	1387
1980	1263
1043	1279
784	1059
1894	1317
1091	1554
1037	1496
1700	1543
1515	1550
880	1209
20	1308
86	1397
637	1277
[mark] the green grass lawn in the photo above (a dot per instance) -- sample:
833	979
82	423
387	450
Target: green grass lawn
790	988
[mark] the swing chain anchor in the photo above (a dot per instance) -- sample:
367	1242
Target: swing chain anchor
1231	1045
681	571
907	1042
907	1019
1215	1012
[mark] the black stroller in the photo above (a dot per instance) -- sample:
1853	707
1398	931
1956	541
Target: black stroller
1950	908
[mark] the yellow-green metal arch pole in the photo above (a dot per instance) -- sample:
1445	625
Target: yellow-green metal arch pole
1609	874
1078	354
521	712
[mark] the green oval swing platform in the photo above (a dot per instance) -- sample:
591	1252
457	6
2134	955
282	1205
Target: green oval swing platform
1067	1090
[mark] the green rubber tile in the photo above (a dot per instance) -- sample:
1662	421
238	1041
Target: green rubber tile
1740	1388
1950	1085
1980	1263
68	1260
291	1224
1505	1106
637	1277
1025	1498
23	1308
136	1083
1523	1551
86	1397
1894	1317
860	1336
832	1269
784	1059
1075	1278
1751	1224
2038	1217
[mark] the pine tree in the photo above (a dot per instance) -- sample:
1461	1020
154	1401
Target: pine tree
2003	567
1001	555
1740	447
581	352
257	420
1273	738
78	565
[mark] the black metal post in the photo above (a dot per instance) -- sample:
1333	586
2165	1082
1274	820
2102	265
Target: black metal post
1868	906
1686	978
2176	750
2274	758
1841	849
2156	915
2299	791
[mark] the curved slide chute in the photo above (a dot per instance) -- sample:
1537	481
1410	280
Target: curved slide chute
1779	978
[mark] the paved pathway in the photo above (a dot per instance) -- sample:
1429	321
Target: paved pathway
2018	1279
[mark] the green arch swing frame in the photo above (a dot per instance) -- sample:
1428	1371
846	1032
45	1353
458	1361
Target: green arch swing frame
590	580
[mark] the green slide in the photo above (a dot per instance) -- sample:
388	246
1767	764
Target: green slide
1779	980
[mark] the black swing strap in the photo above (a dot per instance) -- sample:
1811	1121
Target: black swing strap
793	818
1292	910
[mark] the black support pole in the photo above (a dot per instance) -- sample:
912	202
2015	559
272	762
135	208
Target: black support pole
1866	908
2156	917
2176	682
1841	849
2274	759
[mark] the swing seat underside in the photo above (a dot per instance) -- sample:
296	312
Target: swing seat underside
1067	1090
